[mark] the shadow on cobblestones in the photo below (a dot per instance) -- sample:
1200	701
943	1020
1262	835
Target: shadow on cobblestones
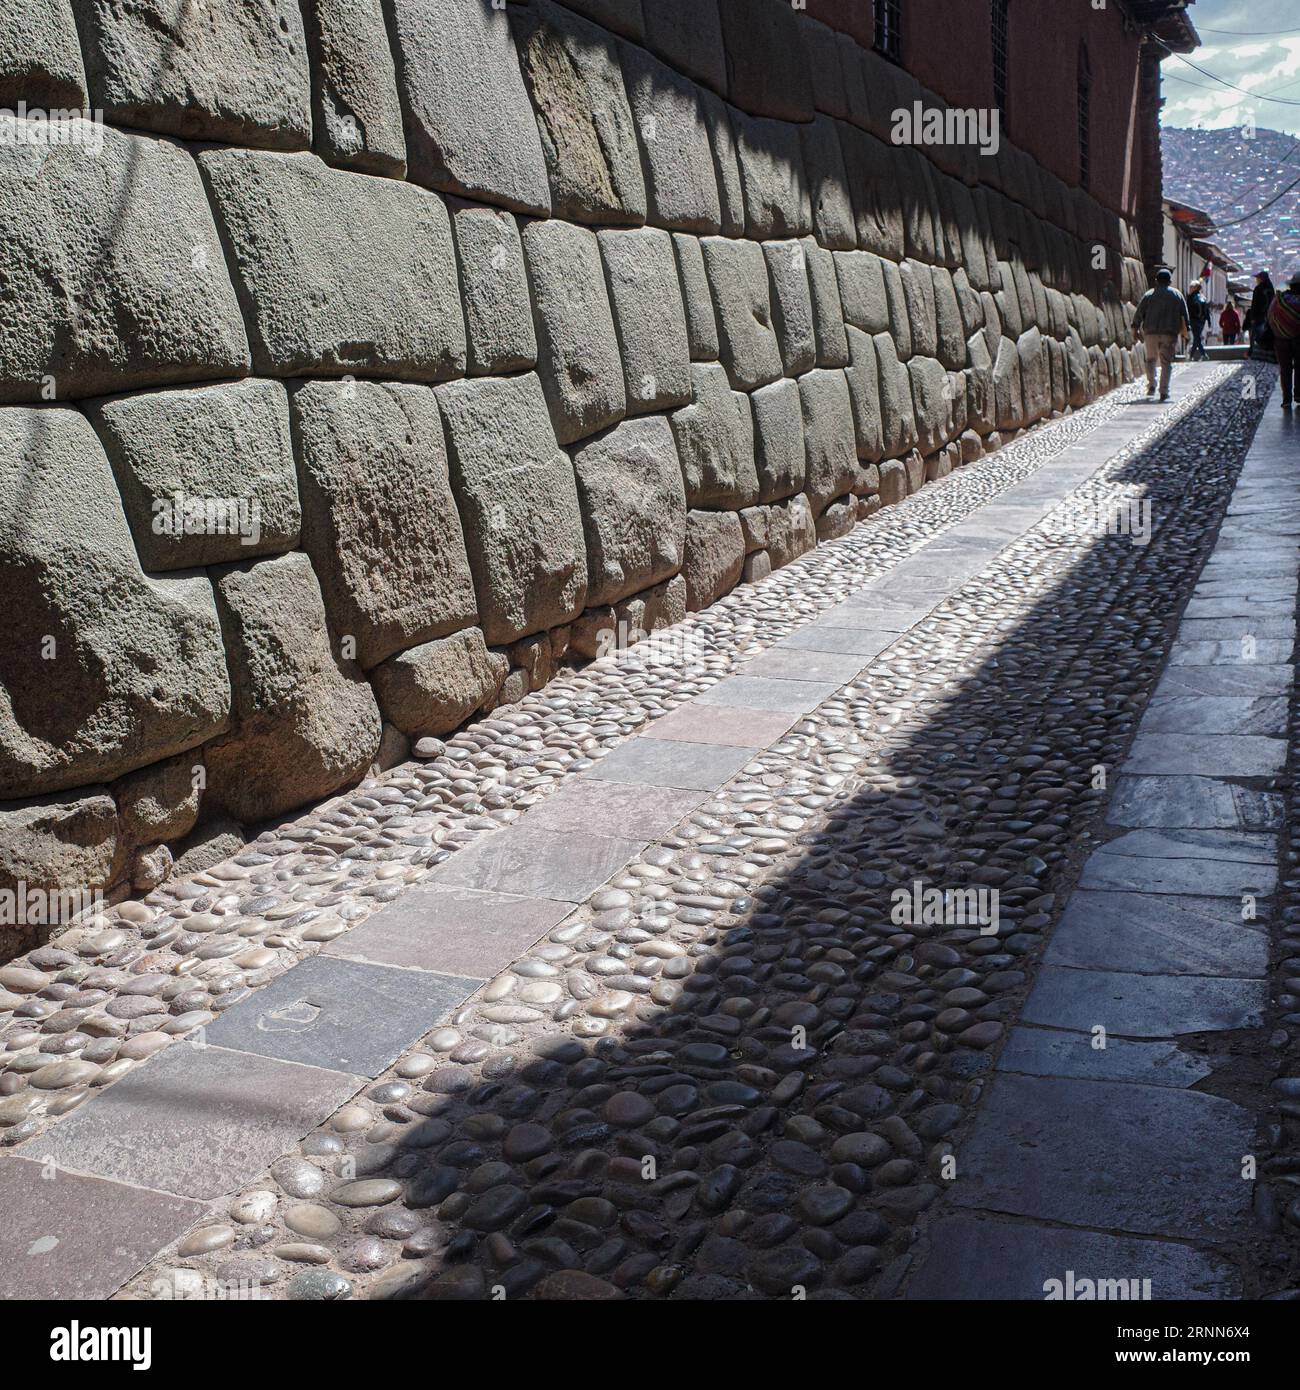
787	1061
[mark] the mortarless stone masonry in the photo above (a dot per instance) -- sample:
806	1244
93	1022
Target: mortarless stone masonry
647	302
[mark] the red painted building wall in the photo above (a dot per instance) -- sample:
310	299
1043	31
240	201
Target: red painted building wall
948	46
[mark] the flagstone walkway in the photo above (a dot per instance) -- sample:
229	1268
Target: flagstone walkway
610	997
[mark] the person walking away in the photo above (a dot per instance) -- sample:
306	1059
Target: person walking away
1198	312
1257	314
1284	320
1161	319
1230	325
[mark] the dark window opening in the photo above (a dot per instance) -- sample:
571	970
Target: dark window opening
889	29
1085	118
1001	9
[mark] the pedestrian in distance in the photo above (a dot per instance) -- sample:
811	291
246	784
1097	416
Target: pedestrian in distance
1161	319
1284	321
1257	315
1198	313
1230	325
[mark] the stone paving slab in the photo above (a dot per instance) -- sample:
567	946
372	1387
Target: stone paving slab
1268	651
1219	755
537	863
626	810
1053	1052
728	725
342	1014
1216	714
1208	877
456	931
669	763
68	1236
1182	802
1133	1005
770	693
866	641
986	1258
1148	1160
1233	846
1244	678
808	665
1234	629
1148	932
194	1121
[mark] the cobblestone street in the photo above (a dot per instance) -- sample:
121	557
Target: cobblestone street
641	987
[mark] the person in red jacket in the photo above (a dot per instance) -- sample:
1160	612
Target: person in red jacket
1230	324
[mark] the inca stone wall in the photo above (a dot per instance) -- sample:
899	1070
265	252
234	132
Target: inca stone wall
501	329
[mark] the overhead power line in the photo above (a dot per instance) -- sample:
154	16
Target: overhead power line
1277	198
1246	33
1255	96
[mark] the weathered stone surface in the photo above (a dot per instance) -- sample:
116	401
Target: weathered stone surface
573	75
1008	395
649	320
578	362
182	458
829	444
40	56
898	423
791	530
715	442
875	193
633	508
863	377
470	127
338	272
825	68
827	308
828	185
113	272
159	802
861	278
918	295
932	401
687	34
518	503
893	482
208	844
494	290
1035	376
950	332
714	557
838	519
726	164
433	688
767	64
772	177
102	669
900	324
680	181
701	324
619	16
981	403
778	440
379	520
67	841
738	282
915	183
305	721
791	300
356	114
215	72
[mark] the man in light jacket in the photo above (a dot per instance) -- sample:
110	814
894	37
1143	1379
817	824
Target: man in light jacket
1161	319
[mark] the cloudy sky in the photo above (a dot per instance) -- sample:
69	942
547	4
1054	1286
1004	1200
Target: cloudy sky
1259	51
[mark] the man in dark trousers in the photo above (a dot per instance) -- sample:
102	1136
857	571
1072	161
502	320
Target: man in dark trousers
1161	319
1198	312
1257	314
